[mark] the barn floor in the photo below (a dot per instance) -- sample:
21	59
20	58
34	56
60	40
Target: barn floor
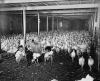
62	69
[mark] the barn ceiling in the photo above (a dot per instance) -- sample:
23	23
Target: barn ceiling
65	8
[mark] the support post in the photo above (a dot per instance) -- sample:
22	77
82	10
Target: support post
57	24
95	24
0	45
38	24
24	26
0	38
98	34
92	25
52	23
47	23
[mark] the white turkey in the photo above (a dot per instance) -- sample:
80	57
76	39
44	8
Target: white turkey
90	62
69	49
73	55
81	62
35	57
12	50
57	49
87	78
48	55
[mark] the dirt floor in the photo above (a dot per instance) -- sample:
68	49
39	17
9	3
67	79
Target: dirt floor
62	69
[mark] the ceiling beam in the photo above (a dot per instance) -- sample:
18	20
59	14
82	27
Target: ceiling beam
25	1
64	16
69	11
56	12
74	17
52	7
75	14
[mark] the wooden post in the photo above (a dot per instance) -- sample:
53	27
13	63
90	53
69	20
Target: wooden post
0	45
24	26
38	24
92	17
52	23
47	23
0	38
57	23
98	33
95	23
89	25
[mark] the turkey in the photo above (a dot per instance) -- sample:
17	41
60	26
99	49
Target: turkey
35	57
48	55
57	50
12	50
73	55
81	62
90	62
87	78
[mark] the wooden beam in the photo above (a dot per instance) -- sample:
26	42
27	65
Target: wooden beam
57	23
67	2
34	4
70	11
98	34
74	14
45	4
80	1
74	17
56	12
93	1
84	6
25	1
56	3
98	21
94	23
0	39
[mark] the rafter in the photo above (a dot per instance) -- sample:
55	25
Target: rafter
93	1
67	2
34	4
80	1
45	4
56	3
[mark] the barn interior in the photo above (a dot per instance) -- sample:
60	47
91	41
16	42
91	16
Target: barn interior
25	16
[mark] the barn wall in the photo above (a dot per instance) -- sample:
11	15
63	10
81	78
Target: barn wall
4	26
14	24
68	24
79	25
64	24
